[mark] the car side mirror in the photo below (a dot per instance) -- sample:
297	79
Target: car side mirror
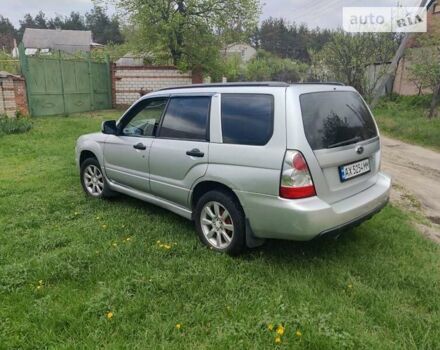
109	127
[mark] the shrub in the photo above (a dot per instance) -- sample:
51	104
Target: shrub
14	125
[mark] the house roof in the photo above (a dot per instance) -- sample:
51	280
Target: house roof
64	40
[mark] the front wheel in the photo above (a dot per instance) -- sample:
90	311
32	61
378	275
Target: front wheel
93	180
220	222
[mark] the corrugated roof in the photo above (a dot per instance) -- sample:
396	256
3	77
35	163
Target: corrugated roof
57	39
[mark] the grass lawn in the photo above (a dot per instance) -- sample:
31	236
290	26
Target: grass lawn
404	117
66	261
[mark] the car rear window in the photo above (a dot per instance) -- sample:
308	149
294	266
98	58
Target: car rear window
336	118
247	119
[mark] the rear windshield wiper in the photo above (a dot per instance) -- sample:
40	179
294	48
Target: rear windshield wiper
345	142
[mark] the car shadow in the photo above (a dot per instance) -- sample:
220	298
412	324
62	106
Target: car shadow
273	250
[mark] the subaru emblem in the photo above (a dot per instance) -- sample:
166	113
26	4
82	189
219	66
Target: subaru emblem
360	150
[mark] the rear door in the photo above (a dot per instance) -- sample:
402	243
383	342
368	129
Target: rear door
343	137
179	155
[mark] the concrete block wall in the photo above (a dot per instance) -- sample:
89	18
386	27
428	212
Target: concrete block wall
12	95
130	82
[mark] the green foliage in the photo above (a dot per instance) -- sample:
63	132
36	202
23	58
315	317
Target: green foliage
264	67
7	34
190	33
403	117
288	40
346	57
66	262
8	63
16	125
105	29
425	64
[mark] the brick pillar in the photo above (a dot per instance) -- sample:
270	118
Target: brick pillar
197	76
20	96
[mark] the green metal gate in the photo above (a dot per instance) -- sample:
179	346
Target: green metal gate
57	85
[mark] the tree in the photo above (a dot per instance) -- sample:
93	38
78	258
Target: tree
347	56
105	29
287	40
7	34
425	65
191	32
75	21
264	67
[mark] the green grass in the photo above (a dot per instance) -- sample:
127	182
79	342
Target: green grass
405	118
16	125
375	288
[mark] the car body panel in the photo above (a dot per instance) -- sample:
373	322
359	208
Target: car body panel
172	171
126	165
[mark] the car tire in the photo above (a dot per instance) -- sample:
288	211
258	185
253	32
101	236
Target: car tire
220	222
93	180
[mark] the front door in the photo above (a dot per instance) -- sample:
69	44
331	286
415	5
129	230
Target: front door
179	155
126	156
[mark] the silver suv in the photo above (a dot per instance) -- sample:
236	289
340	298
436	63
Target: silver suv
246	162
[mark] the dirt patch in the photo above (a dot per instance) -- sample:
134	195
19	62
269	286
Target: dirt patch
416	183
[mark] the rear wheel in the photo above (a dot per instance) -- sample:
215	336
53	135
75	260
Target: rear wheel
220	222
93	180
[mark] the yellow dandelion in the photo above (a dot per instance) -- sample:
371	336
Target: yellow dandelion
158	242
350	286
167	246
280	330
39	287
270	326
104	226
40	282
115	244
277	340
76	213
298	333
128	239
178	326
97	218
109	315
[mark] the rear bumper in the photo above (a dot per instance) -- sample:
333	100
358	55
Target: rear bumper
305	219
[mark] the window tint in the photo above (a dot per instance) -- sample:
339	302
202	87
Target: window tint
186	118
247	119
333	119
146	117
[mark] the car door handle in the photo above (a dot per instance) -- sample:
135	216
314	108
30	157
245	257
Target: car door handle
195	152
140	146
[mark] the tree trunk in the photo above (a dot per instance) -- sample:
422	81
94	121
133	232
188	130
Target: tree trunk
434	101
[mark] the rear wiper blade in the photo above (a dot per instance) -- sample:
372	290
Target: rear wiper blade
345	142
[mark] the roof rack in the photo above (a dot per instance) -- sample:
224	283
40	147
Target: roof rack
322	83
240	84
250	84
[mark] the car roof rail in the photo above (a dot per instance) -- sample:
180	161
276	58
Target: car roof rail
323	83
250	84
225	85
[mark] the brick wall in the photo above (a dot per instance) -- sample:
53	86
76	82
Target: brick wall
12	95
129	83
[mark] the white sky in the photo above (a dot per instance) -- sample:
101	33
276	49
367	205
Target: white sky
318	13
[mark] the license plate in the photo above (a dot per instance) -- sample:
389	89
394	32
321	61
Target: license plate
352	170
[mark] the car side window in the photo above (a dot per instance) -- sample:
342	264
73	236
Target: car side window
145	119
247	119
186	118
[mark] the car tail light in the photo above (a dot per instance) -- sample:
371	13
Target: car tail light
296	181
